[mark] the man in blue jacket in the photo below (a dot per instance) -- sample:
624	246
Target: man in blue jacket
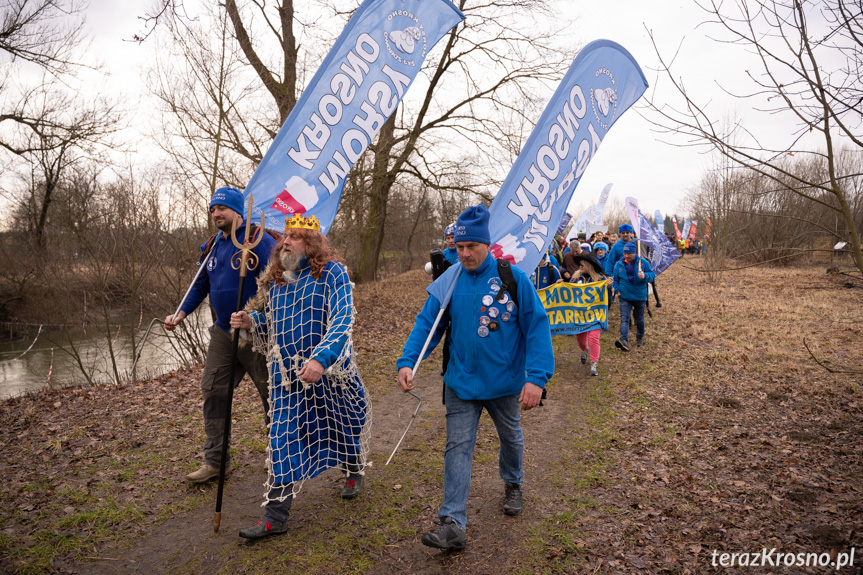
546	273
631	276
626	233
450	253
500	356
221	282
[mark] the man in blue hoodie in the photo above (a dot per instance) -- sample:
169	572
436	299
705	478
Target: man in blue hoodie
500	356
626	233
450	253
631	276
221	282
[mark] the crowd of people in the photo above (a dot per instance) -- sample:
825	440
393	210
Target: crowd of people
586	260
297	315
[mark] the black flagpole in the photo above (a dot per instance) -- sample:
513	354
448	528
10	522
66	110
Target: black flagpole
248	261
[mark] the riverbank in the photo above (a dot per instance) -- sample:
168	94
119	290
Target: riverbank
722	434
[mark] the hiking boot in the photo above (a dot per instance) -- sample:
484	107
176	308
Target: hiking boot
512	502
639	341
584	355
594	370
206	473
445	536
622	345
353	486
263	529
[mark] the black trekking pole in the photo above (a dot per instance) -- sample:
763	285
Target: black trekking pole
244	260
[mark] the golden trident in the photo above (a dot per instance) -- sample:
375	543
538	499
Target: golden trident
245	259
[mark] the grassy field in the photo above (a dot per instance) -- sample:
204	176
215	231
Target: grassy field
722	435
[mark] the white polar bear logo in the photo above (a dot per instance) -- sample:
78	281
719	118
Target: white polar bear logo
405	40
604	99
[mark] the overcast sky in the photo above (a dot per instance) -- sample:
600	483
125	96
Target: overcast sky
633	156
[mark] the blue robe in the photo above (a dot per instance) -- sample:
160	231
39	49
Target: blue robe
314	426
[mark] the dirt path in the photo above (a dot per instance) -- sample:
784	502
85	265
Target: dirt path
187	543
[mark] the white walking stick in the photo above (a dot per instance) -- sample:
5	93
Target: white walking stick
179	307
443	308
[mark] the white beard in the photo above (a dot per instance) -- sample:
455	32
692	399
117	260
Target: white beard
290	261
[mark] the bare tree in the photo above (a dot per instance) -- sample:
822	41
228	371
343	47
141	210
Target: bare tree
60	131
210	129
44	32
487	66
490	64
47	126
810	58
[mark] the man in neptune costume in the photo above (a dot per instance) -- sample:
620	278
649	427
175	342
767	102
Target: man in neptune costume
302	319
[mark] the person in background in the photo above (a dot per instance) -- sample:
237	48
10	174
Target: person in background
450	253
569	265
631	276
589	271
546	273
600	249
615	254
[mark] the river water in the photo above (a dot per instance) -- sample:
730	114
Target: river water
30	372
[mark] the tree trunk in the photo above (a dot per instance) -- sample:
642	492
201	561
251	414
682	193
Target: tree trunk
382	182
39	232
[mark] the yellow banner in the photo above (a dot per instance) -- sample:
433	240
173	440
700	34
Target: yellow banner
575	308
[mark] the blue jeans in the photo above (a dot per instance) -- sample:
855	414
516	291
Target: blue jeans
637	307
462	420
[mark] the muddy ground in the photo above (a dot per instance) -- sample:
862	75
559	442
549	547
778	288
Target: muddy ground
722	435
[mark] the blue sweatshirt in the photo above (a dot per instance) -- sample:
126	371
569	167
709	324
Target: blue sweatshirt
451	255
614	255
221	281
517	345
632	290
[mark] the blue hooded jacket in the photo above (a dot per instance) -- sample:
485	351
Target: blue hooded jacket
516	350
626	288
221	281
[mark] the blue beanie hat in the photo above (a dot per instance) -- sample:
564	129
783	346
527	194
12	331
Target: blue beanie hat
586	247
472	225
449	231
230	198
630	248
600	246
625	228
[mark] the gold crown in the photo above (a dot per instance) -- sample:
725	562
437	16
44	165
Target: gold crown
298	222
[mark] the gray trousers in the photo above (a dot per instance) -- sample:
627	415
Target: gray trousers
214	387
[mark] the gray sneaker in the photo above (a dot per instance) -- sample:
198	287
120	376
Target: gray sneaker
353	486
584	355
512	502
263	529
445	536
639	341
622	345
594	368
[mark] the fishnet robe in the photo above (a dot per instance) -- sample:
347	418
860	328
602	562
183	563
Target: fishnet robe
314	426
